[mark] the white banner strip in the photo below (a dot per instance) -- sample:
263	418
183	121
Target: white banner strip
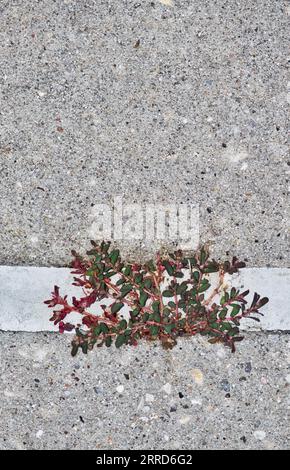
23	290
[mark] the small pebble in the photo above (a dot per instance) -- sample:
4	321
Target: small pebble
196	402
141	404
120	388
167	388
185	419
149	398
248	367
260	435
221	353
146	409
197	376
288	378
225	385
39	434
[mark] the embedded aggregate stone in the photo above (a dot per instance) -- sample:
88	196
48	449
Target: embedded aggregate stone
53	401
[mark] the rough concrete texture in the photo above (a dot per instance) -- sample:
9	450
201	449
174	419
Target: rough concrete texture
183	103
196	396
23	290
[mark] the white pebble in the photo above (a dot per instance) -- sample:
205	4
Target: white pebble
39	434
221	353
120	388
260	435
197	376
149	398
196	402
168	3
167	388
288	378
184	419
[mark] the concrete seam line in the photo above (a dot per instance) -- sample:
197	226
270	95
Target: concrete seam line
24	288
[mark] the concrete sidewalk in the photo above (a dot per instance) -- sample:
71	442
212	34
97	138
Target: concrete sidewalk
184	103
197	396
197	113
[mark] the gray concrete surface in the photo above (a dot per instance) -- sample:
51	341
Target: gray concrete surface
196	396
196	113
23	290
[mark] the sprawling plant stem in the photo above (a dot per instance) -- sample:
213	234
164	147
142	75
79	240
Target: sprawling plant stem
167	298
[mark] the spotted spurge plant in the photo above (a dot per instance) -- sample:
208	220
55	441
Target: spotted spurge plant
163	299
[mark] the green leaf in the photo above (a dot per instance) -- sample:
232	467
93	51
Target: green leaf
203	256
135	312
192	261
182	304
235	310
234	331
84	347
169	328
203	287
168	293
156	317
120	340
108	341
148	283
226	326
195	276
179	274
181	288
156	306
224	298
74	349
211	268
138	278
90	272
92	252
143	298
171	304
125	289
110	274
127	271
233	292
151	266
104	328
98	330
114	255
223	313
116	307
168	267
182	323
145	317
122	325
154	330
